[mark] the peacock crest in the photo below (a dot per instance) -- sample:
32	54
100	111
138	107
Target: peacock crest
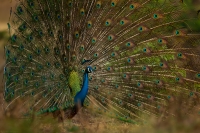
143	56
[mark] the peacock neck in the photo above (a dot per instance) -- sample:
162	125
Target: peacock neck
81	95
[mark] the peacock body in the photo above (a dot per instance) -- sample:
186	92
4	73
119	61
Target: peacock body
143	56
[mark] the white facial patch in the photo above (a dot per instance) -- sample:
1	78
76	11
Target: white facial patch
89	70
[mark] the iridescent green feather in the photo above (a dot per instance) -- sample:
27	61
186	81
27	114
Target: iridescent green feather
144	55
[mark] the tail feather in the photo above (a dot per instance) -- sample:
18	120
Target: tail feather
144	55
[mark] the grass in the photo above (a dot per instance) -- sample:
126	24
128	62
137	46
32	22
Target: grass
89	121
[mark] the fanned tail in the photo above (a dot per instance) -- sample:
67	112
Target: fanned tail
144	54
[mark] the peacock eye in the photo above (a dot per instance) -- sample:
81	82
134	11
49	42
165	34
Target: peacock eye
36	17
93	40
5	69
155	16
121	22
179	54
120	102
109	37
24	26
31	4
30	38
32	93
32	73
19	10
9	75
116	86
65	59
58	17
95	55
25	81
98	5
77	35
68	24
48	14
68	46
124	75
39	66
47	49
140	28
36	84
21	47
23	67
14	38
43	78
177	32
48	64
113	54
8	52
139	104
160	40
16	79
38	51
58	84
57	64
131	6
112	4
70	4
96	87
191	93
107	23
177	78
128	44
40	32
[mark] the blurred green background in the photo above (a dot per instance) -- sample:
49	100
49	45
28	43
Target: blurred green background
5	6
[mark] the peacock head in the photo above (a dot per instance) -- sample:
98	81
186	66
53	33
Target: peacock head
88	69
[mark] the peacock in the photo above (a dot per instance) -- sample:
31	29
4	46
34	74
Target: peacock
125	58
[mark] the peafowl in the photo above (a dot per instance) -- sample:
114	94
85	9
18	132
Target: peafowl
128	58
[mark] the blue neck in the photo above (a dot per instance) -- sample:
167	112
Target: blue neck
81	95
